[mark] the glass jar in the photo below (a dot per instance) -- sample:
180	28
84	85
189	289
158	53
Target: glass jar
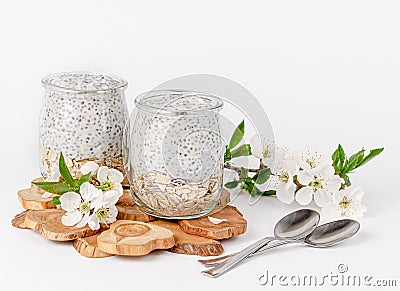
175	153
83	116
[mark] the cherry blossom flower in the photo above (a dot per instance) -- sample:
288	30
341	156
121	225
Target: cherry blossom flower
346	202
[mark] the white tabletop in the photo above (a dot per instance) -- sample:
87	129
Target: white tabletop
324	73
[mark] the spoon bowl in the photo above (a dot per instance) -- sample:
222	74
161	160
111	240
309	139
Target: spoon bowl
296	225
332	233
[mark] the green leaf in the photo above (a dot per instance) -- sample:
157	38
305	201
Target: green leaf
55	187
65	172
83	179
56	200
269	193
262	176
372	154
232	184
335	156
353	161
335	160
243	150
227	156
248	185
342	157
346	180
244	173
237	135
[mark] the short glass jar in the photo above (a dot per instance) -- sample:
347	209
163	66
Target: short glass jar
175	153
83	116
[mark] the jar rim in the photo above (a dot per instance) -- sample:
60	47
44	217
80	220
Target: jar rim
215	103
48	82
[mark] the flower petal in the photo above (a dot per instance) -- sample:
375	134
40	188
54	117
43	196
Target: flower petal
115	176
112	214
93	222
110	197
84	220
356	194
88	191
89	167
256	147
70	201
285	192
290	166
118	187
102	174
333	183
97	202
304	195
327	171
321	197
71	218
215	220
305	177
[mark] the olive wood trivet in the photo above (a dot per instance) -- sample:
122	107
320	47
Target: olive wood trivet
31	198
234	225
194	237
134	238
190	244
87	247
47	222
19	220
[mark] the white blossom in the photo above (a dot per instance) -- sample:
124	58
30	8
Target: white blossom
110	179
346	202
318	183
89	167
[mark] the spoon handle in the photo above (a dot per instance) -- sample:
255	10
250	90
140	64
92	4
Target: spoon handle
236	259
216	261
219	259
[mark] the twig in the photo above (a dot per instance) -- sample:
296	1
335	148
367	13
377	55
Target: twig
237	169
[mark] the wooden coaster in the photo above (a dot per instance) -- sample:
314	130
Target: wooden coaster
87	247
190	244
222	202
234	226
19	220
126	212
126	198
47	223
31	198
134	238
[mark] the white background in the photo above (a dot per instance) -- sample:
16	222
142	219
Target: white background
325	71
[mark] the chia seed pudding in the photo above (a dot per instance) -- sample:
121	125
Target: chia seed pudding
83	116
175	153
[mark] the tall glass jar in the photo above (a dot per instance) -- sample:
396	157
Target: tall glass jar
83	116
175	153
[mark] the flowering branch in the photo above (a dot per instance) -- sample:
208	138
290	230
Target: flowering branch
301	176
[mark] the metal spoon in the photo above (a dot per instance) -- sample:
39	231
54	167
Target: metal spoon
323	236
295	225
314	240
